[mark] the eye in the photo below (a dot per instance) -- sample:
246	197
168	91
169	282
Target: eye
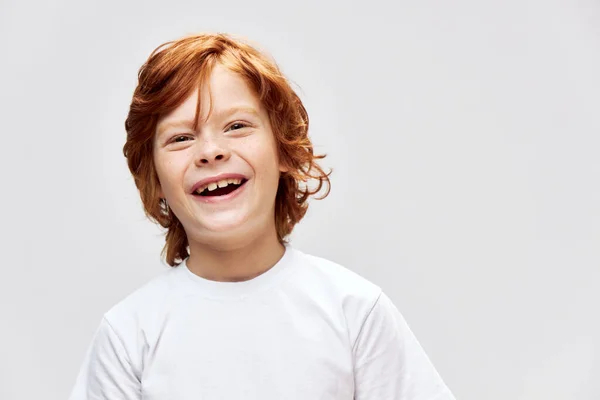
237	125
180	138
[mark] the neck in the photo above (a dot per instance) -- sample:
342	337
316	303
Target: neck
236	263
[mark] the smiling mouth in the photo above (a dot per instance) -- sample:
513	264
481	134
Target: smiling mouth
220	191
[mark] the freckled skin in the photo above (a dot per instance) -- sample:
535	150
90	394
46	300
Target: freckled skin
240	142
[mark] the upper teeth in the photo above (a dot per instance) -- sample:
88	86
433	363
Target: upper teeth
222	183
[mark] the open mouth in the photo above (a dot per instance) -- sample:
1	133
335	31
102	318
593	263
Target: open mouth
220	188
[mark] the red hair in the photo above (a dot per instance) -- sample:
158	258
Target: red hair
171	73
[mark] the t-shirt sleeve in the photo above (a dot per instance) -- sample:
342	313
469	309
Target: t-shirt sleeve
107	372
389	362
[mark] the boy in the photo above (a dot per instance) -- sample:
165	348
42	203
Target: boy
217	143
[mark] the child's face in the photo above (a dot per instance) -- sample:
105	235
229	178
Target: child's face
231	142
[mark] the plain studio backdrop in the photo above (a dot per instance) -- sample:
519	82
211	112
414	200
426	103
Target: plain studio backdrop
465	142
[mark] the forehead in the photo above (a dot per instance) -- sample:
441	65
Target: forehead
222	90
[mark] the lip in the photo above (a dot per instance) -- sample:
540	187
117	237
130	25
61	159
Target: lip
217	178
221	199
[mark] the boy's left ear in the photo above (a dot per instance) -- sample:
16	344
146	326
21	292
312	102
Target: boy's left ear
283	167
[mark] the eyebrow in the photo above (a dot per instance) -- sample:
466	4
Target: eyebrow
219	114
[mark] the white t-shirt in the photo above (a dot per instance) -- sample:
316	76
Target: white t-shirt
307	328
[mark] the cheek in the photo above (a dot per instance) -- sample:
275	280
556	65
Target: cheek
169	172
266	152
258	152
267	164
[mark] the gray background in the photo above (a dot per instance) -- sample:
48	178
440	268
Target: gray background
464	138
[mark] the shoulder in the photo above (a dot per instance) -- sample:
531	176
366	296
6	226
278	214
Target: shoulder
331	284
335	276
147	301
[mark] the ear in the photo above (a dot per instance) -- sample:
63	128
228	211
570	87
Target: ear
283	167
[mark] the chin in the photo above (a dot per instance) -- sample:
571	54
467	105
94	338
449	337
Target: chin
225	238
224	228
229	233
223	222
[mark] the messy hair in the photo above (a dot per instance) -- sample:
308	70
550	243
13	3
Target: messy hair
171	73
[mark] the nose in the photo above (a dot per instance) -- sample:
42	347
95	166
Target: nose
211	151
